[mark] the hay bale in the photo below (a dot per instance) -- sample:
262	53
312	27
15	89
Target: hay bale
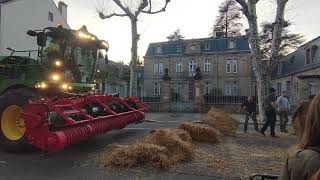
177	142
221	121
140	154
200	133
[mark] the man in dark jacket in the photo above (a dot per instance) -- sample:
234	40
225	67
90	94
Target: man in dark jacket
270	110
251	110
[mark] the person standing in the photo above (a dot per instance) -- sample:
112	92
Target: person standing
283	108
270	110
251	110
304	162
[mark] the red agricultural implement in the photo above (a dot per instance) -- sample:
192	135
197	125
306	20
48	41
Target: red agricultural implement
71	120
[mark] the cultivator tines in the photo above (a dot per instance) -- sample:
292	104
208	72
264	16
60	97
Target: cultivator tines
53	124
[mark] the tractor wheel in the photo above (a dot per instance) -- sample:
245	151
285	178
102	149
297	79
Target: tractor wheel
12	126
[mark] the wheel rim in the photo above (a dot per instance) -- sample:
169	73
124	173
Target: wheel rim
12	125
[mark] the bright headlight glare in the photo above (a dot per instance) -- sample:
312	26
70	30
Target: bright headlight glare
64	86
58	63
70	88
55	77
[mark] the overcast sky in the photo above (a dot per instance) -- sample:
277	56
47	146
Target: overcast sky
194	17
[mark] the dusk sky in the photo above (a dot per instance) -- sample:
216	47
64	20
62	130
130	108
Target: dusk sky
194	17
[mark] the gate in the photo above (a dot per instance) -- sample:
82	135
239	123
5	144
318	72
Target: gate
182	97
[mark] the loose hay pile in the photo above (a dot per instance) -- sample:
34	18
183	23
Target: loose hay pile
160	149
177	142
221	121
124	156
200	133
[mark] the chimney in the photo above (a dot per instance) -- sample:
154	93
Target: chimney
214	34
247	32
63	10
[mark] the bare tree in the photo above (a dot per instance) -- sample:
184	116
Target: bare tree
263	67
132	9
228	22
289	41
175	36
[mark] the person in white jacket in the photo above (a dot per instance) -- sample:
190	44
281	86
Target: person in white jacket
283	108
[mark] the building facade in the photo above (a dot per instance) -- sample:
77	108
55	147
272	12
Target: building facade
299	72
224	63
115	82
19	16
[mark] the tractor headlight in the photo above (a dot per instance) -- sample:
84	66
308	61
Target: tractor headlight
55	77
58	63
64	86
41	85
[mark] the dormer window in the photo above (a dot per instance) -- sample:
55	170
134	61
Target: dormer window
179	48
159	50
193	47
207	46
307	56
231	44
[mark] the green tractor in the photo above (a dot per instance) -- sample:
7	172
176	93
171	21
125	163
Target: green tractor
62	78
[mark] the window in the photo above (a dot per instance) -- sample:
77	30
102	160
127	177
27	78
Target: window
232	89
206	88
279	89
234	66
228	66
192	67
231	44
235	88
206	66
228	89
307	56
179	48
158	50
158	68
178	67
193	47
155	68
279	68
179	88
50	16
207	46
156	89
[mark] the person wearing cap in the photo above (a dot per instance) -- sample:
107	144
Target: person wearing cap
270	111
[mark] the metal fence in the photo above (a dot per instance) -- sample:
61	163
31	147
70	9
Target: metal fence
150	99
224	99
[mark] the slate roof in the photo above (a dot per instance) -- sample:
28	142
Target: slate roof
217	45
295	62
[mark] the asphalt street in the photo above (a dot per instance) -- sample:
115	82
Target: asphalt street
77	162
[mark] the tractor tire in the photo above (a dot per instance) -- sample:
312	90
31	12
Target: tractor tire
12	127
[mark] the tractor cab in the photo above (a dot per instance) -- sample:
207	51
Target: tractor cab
70	58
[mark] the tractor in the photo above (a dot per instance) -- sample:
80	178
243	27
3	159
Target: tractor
50	102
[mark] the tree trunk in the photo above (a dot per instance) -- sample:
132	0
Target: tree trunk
263	86
134	58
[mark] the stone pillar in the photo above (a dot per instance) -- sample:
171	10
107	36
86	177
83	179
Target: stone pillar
165	96
198	95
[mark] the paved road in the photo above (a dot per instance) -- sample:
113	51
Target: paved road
75	161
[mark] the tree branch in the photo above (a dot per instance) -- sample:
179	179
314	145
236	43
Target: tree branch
103	16
125	9
155	12
278	26
245	8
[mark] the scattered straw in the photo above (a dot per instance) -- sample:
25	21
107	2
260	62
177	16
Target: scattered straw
221	121
139	154
160	149
177	142
200	133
